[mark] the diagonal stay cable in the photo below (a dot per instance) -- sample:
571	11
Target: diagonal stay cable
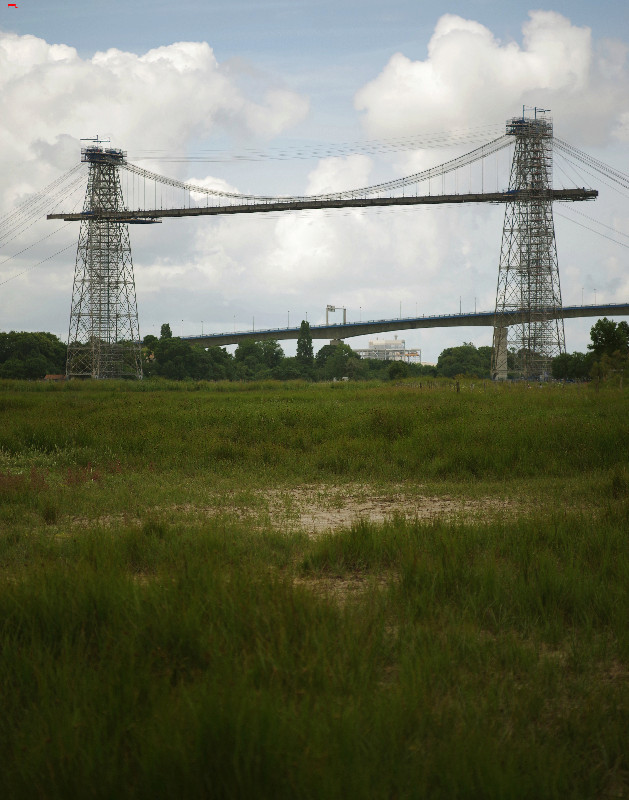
600	166
598	222
19	253
38	197
592	230
30	215
39	263
563	166
616	186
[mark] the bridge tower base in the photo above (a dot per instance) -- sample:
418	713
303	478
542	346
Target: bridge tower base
104	338
528	275
500	370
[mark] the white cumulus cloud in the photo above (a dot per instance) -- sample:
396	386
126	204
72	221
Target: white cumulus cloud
335	174
164	99
470	77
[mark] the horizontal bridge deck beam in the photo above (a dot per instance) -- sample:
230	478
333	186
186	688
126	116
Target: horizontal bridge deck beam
305	204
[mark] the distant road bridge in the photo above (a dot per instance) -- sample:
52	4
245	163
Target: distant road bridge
482	319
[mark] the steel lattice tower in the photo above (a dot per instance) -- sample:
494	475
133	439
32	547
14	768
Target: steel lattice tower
104	338
528	276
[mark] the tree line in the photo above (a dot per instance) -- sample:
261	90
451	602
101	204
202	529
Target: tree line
171	357
34	355
31	355
607	357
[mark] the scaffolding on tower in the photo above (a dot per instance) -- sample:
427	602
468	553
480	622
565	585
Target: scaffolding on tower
104	337
528	275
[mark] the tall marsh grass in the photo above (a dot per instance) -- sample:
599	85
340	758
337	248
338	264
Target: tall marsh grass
153	643
318	432
154	662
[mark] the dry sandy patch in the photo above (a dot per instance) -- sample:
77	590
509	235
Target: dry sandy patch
315	509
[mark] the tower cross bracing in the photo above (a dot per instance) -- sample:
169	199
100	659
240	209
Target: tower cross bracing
528	296
104	338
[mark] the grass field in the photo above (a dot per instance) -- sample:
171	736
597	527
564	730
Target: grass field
292	590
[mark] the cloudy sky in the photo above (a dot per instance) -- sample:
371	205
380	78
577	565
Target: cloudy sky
304	84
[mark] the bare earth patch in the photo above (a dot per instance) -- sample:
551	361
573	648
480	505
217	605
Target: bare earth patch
340	588
316	509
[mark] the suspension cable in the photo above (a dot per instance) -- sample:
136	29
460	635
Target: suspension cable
310	151
475	155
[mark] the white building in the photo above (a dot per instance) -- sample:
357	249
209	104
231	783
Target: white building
389	350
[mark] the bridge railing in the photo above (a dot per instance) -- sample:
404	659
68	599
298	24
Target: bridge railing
390	320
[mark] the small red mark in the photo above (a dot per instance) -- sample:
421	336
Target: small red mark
11	5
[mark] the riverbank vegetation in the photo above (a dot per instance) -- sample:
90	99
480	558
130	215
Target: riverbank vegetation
33	355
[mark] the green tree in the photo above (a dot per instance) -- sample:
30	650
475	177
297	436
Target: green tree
608	337
178	360
219	363
338	361
614	368
375	368
257	359
355	368
323	354
13	368
31	355
465	360
150	341
288	370
249	360
248	349
149	344
272	353
572	366
609	350
561	366
172	358
305	354
397	369
165	332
